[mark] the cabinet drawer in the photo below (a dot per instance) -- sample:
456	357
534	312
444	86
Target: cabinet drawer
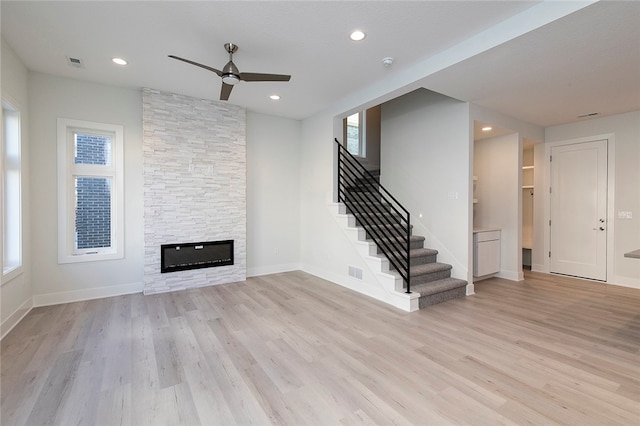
487	236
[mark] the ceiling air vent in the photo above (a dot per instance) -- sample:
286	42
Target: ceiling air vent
75	62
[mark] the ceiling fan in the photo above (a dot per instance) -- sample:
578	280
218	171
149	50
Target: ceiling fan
231	75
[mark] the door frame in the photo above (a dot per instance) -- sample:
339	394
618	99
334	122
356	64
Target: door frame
610	137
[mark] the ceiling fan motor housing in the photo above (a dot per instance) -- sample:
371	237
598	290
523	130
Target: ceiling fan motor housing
230	73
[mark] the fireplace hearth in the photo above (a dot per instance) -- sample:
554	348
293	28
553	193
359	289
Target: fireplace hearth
185	256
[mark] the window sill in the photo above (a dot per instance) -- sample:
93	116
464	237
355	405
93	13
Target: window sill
89	257
11	273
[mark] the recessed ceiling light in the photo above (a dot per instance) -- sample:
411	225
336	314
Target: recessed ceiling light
487	128
274	97
357	35
119	61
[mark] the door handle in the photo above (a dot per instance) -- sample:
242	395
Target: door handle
601	228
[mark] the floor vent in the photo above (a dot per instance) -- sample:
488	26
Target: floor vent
355	272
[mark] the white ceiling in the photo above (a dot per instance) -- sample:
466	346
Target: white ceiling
588	61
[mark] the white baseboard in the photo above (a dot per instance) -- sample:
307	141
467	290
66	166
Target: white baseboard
403	301
86	294
17	316
272	269
625	282
616	280
511	275
538	268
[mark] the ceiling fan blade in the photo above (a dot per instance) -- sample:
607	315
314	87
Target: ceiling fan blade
254	76
206	67
225	91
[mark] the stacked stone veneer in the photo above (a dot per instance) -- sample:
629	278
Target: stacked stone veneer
194	156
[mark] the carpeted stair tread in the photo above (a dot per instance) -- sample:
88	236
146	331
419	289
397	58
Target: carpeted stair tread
429	268
412	238
381	215
422	252
387	225
438	286
419	252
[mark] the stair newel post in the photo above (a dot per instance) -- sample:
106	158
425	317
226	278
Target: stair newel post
408	253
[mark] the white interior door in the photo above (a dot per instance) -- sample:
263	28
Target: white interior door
578	228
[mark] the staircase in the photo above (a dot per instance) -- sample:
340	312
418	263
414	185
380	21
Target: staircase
428	277
387	228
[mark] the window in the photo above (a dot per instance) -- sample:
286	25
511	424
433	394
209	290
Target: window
90	185
12	202
353	133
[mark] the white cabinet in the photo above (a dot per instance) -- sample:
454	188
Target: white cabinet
486	252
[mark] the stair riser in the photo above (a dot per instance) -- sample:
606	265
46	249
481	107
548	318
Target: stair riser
413	244
418	260
396	230
433	299
378	219
385	225
433	276
367	205
423	260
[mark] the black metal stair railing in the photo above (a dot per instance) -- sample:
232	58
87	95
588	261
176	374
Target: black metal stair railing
383	218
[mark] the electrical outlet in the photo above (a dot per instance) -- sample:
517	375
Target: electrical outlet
625	215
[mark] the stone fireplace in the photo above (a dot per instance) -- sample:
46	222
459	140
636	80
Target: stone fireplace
194	159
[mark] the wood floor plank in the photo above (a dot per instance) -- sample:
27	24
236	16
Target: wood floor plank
293	349
46	410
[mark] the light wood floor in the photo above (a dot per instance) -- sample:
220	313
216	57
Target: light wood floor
293	349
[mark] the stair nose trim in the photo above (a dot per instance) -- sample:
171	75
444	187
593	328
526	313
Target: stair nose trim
422	252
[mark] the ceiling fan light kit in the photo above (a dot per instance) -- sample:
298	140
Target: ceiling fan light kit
230	79
231	75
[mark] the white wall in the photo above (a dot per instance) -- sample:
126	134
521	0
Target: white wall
51	97
16	293
625	129
325	250
273	194
425	148
497	166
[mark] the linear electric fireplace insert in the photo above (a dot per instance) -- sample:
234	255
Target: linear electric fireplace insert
180	257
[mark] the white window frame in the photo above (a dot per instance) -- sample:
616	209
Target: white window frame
361	133
68	170
11	268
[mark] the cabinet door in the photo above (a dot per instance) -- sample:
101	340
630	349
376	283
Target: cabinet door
487	258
